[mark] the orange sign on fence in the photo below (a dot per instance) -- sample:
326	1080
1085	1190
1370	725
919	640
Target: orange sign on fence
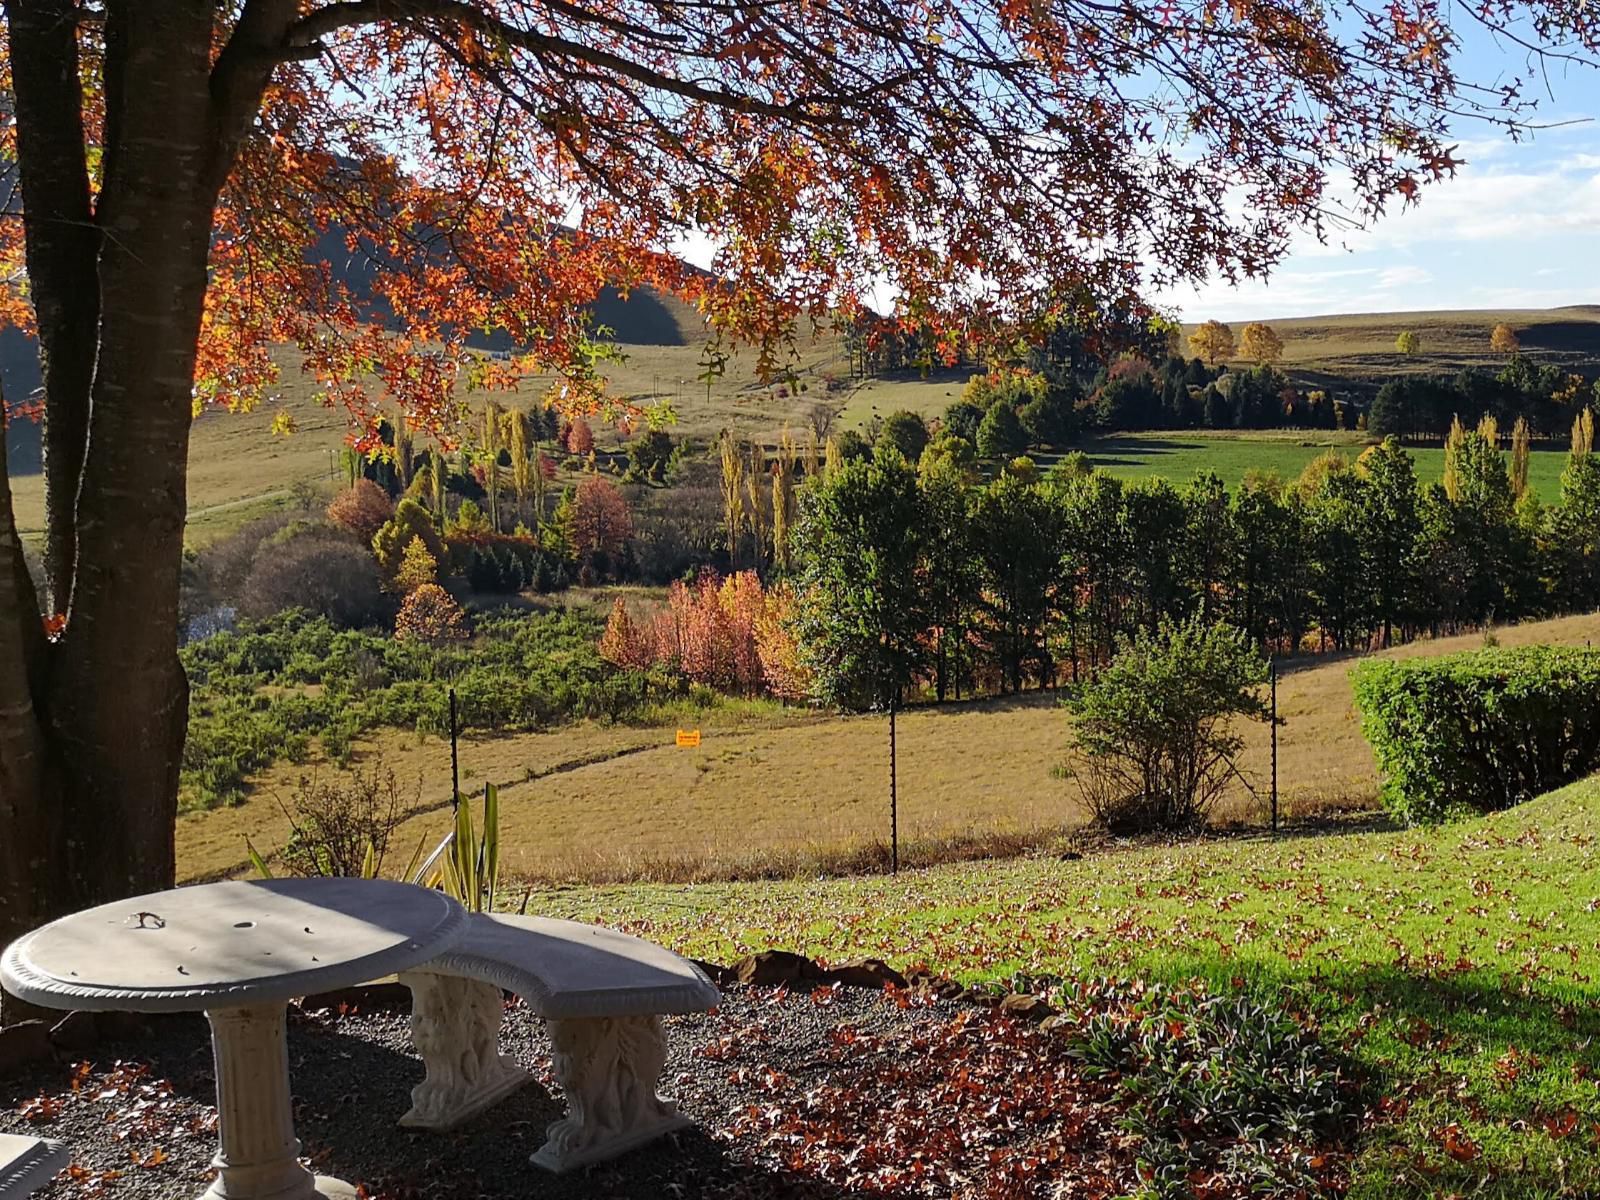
688	737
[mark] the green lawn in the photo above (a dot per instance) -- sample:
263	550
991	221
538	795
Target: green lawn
1456	967
1181	455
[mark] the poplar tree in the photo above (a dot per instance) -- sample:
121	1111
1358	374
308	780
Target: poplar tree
732	481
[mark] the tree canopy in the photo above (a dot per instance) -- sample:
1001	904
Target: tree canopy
1212	341
1260	343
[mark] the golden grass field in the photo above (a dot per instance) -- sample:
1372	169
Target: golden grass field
593	801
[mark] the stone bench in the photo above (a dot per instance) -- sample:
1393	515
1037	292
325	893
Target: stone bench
602	995
27	1164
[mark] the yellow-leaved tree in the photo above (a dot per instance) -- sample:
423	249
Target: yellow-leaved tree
1212	341
1503	339
1260	343
1408	343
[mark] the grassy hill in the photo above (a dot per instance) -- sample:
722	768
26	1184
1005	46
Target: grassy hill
239	469
1455	969
1360	346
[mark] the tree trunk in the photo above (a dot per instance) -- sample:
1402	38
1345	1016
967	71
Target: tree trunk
89	764
29	805
60	257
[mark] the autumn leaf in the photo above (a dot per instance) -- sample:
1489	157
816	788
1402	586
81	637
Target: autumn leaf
1457	1144
1561	1125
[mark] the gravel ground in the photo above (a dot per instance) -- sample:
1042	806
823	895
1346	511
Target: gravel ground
801	1095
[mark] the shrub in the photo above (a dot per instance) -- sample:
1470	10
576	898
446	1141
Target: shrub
417	567
1217	1086
650	455
601	524
319	568
431	617
250	705
343	828
361	509
1480	730
907	433
410	520
1000	435
221	568
1157	725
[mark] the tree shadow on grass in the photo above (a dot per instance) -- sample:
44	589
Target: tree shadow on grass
1487	1049
1142	448
1015	702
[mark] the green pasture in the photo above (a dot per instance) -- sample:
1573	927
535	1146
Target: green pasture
1180	456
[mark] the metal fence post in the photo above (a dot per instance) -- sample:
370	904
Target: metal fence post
1272	671
455	769
894	798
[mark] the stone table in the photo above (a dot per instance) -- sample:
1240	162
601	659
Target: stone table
238	951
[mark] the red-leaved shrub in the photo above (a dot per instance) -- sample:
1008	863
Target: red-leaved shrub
430	616
362	509
730	634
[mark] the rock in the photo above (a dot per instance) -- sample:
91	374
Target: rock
76	1033
719	975
925	983
22	1045
1026	1007
366	997
772	968
871	973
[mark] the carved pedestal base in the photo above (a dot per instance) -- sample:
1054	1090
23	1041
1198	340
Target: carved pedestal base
259	1156
608	1068
455	1024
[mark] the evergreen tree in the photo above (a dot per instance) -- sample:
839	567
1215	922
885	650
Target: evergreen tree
1209	545
907	433
1017	533
950	566
860	600
1391	525
1155	518
1574	524
1000	435
1095	553
1340	586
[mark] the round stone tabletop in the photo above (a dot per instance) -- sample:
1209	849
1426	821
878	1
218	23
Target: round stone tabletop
227	945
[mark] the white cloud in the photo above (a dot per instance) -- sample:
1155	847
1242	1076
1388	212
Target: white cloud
1522	229
1395	277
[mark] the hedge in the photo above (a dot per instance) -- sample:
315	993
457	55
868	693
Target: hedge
1481	730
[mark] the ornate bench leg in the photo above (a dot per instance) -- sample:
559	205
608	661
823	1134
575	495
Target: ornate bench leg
455	1026
608	1069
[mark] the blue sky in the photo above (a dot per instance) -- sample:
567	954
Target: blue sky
1517	227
